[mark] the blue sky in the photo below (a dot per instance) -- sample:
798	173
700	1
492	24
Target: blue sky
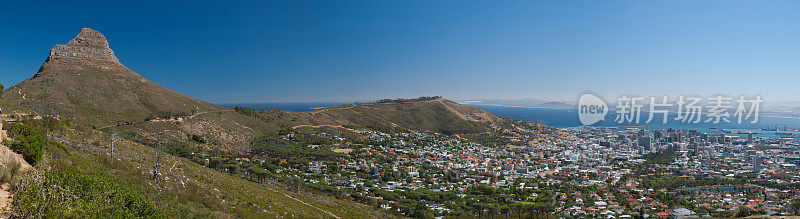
299	51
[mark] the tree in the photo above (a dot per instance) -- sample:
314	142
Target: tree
215	163
744	212
420	210
231	168
796	206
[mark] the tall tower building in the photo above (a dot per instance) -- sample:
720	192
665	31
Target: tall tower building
757	163
645	142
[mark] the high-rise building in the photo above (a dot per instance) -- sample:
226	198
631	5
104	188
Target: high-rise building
645	142
757	163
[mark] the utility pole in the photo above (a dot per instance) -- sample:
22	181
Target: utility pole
113	140
158	162
46	127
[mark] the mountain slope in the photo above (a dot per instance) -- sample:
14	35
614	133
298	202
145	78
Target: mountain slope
83	80
436	115
182	189
94	94
432	114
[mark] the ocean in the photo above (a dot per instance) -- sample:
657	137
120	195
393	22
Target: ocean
565	118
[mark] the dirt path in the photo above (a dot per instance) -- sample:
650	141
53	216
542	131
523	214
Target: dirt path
6	153
181	119
5	190
332	126
173	165
301	201
178	119
6	196
19	90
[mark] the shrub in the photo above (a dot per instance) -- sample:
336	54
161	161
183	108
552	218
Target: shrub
28	141
68	193
197	139
9	170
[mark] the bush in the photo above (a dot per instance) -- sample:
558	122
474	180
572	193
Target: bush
246	111
197	139
9	170
28	141
69	193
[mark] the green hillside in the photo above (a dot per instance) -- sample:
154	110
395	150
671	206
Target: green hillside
78	163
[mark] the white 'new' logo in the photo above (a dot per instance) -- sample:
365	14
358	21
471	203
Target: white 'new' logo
591	109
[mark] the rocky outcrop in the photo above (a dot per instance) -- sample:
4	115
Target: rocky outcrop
89	44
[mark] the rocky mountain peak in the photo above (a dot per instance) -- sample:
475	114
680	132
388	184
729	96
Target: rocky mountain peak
88	44
91	38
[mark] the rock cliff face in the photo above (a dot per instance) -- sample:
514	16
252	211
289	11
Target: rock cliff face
89	44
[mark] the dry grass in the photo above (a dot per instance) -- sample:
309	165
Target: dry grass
9	170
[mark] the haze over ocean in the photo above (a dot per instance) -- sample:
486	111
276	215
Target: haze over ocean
564	118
